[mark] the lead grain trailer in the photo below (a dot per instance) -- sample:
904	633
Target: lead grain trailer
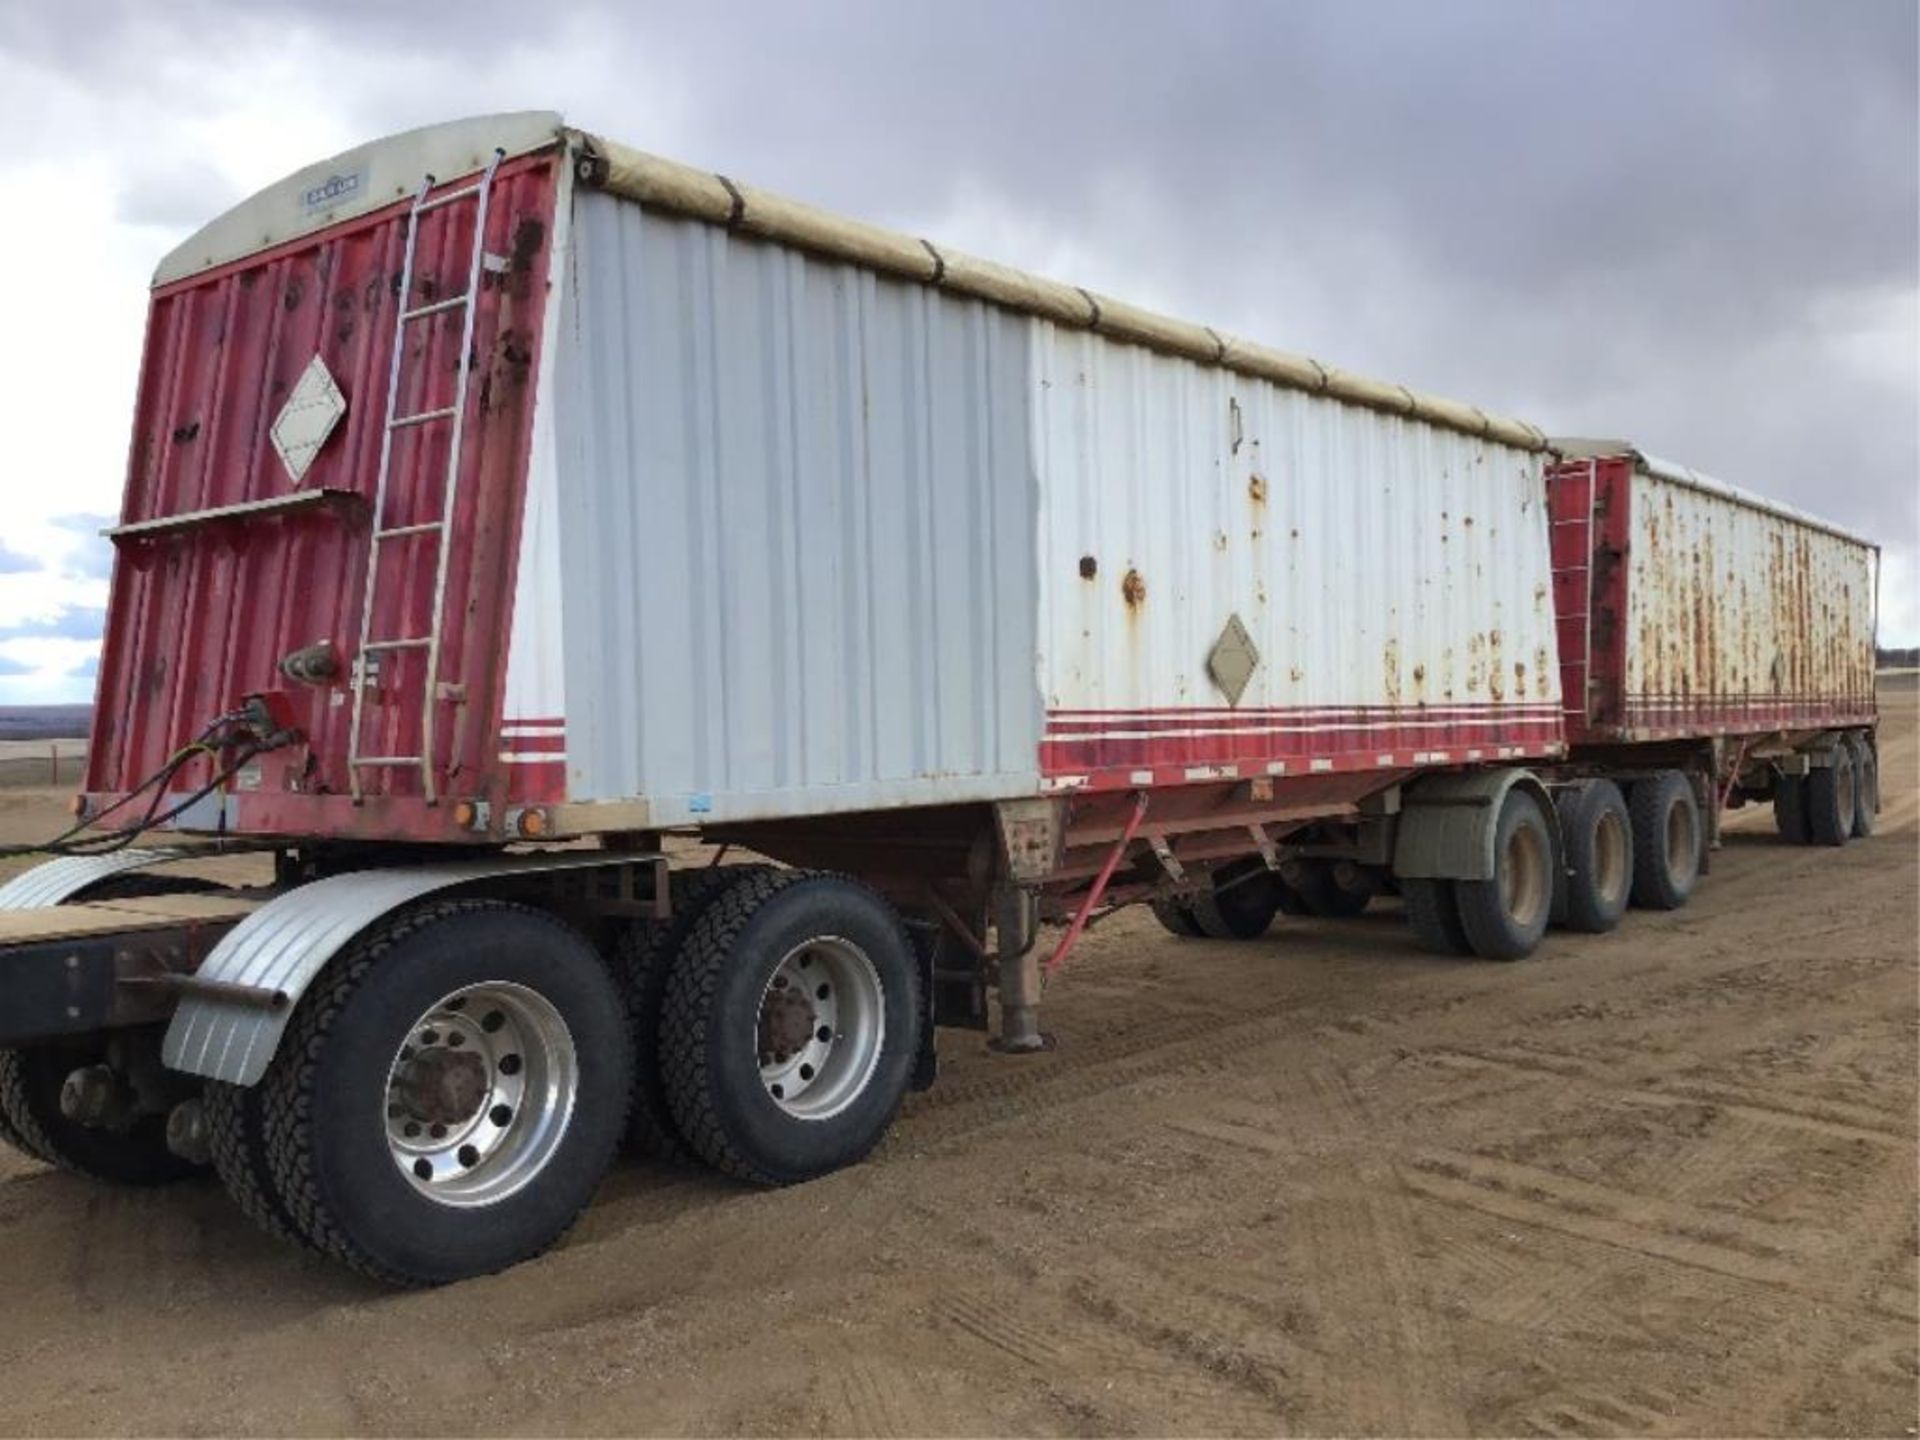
502	499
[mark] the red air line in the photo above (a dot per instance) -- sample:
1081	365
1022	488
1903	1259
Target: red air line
1060	951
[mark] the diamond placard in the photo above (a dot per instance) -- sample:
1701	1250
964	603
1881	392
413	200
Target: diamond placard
307	419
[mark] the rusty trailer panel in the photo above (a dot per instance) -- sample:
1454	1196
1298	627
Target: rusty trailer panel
1688	608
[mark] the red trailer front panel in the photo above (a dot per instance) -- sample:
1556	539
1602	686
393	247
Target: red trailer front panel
242	552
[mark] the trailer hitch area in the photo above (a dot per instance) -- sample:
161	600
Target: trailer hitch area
87	974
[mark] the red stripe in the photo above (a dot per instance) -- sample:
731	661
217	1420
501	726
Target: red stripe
1352	747
534	744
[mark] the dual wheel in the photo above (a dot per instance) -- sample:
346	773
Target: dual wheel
1241	899
1834	802
1642	847
454	1087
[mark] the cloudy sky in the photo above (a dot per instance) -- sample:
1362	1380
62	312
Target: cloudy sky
1694	224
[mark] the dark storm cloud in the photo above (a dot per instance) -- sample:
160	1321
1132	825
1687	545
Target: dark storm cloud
1692	224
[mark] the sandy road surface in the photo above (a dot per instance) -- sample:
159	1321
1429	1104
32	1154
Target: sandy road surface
1660	1182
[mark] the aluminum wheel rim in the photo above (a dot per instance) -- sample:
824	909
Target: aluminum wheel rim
1523	875
480	1093
1610	856
819	1027
1682	847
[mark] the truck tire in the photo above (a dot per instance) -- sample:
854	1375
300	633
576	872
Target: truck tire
31	1078
790	1026
644	958
1831	795
1504	917
451	1090
1332	889
1790	808
1176	917
40	1142
1240	903
237	1136
1666	840
1434	915
1598	876
1866	785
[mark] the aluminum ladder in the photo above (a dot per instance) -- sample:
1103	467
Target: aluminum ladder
1576	698
367	657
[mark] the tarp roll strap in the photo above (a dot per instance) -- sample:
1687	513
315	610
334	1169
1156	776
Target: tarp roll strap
667	185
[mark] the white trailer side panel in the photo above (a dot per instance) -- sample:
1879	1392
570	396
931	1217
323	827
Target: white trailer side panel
797	535
1742	616
1393	576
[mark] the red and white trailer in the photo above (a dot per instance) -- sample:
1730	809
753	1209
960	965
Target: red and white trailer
496	484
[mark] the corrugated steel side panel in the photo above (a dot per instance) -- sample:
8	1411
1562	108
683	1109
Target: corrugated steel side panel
1393	576
797	546
1741	619
199	620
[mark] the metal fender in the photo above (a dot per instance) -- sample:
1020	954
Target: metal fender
1448	824
54	881
278	949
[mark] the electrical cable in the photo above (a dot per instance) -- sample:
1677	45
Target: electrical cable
87	838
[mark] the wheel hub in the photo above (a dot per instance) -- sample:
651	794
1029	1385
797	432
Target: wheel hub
480	1093
442	1086
819	1028
788	1021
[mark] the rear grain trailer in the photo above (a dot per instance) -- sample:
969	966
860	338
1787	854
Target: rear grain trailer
502	500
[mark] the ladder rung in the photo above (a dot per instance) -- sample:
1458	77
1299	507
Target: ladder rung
413	643
463	193
425	415
388	760
434	309
394	532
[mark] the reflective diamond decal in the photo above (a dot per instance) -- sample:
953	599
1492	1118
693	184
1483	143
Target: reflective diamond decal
1233	660
307	419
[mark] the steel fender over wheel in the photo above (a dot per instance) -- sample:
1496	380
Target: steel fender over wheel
1434	914
31	1078
1666	840
1830	798
1866	785
644	956
1597	834
1504	917
1332	889
1241	902
1176	917
450	1092
1790	808
790	1026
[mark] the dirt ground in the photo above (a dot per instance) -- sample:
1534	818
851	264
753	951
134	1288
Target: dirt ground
1658	1182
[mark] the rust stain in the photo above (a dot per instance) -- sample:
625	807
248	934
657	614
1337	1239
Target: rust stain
1540	683
1420	684
1133	589
1257	489
1392	669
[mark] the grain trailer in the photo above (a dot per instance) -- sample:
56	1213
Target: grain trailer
503	501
